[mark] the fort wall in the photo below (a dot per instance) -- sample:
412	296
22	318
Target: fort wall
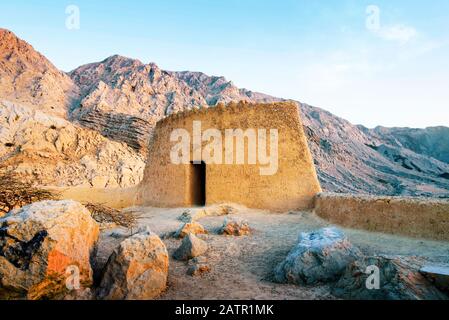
414	217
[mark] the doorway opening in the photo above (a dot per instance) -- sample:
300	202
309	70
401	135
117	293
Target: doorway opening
198	183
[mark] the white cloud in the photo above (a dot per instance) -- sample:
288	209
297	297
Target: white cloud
398	33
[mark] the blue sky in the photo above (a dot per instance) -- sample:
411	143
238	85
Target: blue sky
383	67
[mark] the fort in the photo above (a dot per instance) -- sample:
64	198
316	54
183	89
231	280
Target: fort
288	182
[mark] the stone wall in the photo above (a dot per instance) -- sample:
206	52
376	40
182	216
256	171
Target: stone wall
292	187
415	217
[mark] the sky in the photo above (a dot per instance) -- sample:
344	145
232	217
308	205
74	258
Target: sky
378	62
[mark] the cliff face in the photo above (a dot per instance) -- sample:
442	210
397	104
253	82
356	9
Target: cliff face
122	99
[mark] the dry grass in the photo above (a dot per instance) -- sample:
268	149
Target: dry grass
15	194
105	214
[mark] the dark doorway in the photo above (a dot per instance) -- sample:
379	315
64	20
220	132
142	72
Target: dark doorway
198	183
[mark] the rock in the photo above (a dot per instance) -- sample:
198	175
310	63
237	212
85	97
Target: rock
214	210
136	270
192	227
198	266
186	216
235	227
191	247
198	269
437	274
399	279
38	244
319	256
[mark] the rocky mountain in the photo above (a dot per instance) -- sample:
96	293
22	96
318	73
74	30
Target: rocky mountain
433	142
122	99
28	77
219	90
354	159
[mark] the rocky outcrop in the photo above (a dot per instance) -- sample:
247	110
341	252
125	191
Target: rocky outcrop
398	279
48	150
133	131
190	247
320	256
235	227
191	227
39	245
136	270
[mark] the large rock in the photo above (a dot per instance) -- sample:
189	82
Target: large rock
399	279
136	270
191	247
39	243
320	256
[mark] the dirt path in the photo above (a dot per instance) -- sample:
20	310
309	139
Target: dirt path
242	266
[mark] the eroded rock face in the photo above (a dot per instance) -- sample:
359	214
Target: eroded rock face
319	256
136	270
39	242
191	247
235	227
48	150
192	227
399	279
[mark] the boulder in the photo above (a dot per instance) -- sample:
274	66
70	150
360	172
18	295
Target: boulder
319	256
191	227
136	270
191	247
235	227
398	279
40	243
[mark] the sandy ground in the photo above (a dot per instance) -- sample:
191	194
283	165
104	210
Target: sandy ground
242	266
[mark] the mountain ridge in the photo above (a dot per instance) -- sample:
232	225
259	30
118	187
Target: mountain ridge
123	98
